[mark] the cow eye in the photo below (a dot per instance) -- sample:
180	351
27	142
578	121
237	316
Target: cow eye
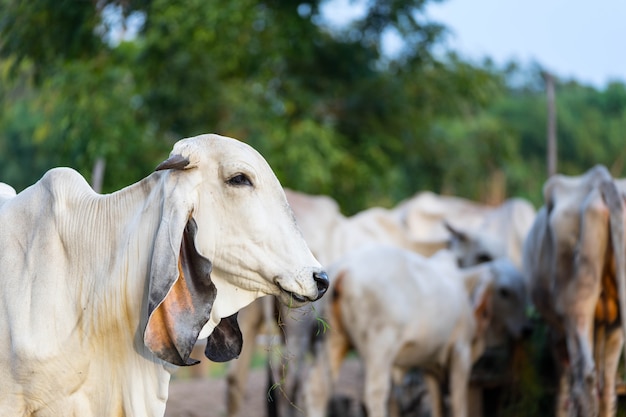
239	180
504	293
483	258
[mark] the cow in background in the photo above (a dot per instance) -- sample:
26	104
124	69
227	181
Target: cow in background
475	232
400	310
574	259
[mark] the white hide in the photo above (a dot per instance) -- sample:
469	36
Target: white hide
101	292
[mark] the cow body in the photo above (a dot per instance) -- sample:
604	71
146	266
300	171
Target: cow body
574	261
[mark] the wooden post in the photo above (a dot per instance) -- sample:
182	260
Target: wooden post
552	142
97	175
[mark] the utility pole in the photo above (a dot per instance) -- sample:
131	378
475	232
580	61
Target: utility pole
552	142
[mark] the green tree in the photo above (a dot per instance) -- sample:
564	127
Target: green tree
590	125
325	107
271	71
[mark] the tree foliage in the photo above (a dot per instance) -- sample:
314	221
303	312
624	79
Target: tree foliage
329	111
590	130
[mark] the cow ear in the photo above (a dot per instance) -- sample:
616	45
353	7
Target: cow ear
180	294
456	233
225	342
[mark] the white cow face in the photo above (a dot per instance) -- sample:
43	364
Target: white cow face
252	237
240	241
471	248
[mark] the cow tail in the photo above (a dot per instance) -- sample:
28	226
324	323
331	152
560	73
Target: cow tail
613	199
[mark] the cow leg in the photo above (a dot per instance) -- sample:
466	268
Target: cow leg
318	387
296	324
323	374
599	351
377	383
250	321
434	393
460	368
583	373
398	388
608	397
564	406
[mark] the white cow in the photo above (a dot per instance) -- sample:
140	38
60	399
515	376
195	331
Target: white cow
331	235
478	230
105	295
574	258
400	310
478	233
509	323
424	215
501	233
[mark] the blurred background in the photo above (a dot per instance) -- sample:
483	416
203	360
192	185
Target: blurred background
366	101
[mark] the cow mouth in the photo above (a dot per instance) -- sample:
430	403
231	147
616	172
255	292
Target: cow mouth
296	297
293	296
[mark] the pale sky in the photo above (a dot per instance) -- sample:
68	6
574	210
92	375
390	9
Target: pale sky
577	39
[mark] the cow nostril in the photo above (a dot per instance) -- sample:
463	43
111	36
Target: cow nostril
321	279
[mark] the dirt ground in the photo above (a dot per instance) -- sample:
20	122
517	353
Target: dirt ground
206	396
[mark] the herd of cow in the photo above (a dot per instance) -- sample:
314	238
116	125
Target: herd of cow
104	296
392	302
446	313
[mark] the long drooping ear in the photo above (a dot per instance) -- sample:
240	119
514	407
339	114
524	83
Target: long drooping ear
180	295
226	341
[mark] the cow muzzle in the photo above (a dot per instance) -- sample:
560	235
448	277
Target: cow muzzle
321	283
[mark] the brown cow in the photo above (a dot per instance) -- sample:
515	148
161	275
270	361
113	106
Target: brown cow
575	264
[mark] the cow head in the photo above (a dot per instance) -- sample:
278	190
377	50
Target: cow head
472	248
227	237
